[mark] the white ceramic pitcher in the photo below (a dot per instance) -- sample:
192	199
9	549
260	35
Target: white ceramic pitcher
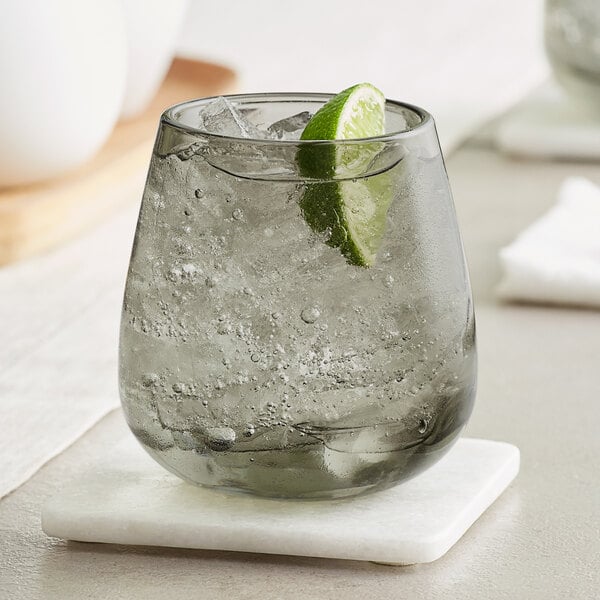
62	78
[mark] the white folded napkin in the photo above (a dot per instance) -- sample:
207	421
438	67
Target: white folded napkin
557	259
58	355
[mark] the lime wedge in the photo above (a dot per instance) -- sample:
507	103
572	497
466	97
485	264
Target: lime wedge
352	212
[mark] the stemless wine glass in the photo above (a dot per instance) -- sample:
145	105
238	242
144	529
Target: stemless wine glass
572	39
273	346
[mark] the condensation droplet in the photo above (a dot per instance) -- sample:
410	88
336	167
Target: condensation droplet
199	193
310	315
220	438
255	357
423	424
237	214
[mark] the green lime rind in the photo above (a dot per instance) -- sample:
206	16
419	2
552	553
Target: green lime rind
357	112
352	213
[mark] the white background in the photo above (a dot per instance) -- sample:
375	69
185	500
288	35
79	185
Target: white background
463	60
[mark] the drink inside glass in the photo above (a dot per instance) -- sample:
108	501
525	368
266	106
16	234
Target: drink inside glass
297	318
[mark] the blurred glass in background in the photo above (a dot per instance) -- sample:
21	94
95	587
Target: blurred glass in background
572	37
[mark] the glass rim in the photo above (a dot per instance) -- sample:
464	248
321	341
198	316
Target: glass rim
168	117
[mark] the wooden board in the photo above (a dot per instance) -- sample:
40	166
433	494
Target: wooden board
36	217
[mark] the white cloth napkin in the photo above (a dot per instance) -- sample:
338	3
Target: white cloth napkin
58	357
557	259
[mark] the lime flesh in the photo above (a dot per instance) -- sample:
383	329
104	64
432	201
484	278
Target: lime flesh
351	213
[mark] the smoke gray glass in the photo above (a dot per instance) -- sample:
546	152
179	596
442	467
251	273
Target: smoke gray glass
256	353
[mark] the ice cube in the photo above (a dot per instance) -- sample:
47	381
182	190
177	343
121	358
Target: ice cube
223	118
347	456
290	128
386	156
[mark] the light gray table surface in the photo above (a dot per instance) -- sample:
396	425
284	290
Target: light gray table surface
539	388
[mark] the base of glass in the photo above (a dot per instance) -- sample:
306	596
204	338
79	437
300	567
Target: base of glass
310	472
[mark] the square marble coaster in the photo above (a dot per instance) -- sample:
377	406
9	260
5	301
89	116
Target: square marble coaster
128	499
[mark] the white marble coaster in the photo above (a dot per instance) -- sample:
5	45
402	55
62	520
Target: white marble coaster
128	499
